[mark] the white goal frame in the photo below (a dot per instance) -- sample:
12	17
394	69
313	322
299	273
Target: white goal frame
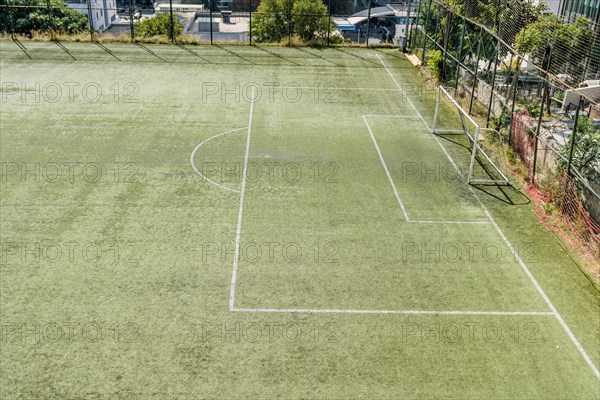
473	140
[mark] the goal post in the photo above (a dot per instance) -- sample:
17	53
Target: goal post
487	163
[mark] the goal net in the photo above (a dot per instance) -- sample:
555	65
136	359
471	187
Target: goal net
488	158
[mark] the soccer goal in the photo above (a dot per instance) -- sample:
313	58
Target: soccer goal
488	158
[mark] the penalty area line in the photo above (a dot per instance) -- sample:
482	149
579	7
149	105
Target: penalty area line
238	232
349	311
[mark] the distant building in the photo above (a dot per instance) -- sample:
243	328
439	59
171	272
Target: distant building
104	12
389	23
164	8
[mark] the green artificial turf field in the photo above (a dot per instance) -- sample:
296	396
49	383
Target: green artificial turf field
247	222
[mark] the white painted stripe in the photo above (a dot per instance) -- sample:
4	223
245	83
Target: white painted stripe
348	88
200	173
387	171
391	115
402	90
341	311
451	222
238	232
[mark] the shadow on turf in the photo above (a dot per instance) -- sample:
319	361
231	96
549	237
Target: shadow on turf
105	48
505	193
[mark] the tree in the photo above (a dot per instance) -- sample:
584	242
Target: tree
568	42
310	19
159	25
25	20
275	19
271	22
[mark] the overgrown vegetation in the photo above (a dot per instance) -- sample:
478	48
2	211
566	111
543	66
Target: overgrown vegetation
567	43
585	151
29	16
435	63
159	25
278	19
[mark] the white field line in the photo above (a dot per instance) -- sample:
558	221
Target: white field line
405	95
391	115
342	311
238	232
200	173
344	88
509	245
387	171
393	185
452	222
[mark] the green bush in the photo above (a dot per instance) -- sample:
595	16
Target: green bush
159	25
434	63
308	20
26	20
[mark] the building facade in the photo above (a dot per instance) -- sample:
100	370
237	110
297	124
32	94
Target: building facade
103	12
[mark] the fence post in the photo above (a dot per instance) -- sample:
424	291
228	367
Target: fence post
446	39
537	132
90	19
574	135
12	22
425	33
131	21
408	27
514	100
250	22
475	75
50	20
328	19
171	21
497	52
210	17
290	23
368	24
412	37
459	58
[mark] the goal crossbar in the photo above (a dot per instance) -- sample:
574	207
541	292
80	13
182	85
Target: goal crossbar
474	139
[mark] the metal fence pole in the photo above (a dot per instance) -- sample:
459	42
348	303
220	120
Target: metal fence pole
51	22
210	17
408	27
12	22
475	75
328	20
171	21
545	94
514	100
368	24
131	21
446	39
459	58
537	132
497	52
574	135
425	33
290	23
412	37
90	19
250	22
